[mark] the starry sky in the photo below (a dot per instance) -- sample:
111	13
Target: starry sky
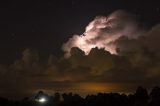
34	37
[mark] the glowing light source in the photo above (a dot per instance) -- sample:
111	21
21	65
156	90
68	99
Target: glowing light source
42	100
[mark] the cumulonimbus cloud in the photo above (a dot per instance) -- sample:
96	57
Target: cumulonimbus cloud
103	31
90	60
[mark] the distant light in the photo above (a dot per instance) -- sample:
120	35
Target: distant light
42	100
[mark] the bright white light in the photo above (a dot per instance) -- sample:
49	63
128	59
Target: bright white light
42	100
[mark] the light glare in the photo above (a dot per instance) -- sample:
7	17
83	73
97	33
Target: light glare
42	100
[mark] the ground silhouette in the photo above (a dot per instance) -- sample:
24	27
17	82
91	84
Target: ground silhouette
140	98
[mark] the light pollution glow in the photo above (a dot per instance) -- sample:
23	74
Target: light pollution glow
91	88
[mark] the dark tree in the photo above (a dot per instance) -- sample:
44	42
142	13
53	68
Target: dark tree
155	96
141	97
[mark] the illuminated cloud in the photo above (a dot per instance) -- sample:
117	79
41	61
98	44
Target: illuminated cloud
103	31
90	62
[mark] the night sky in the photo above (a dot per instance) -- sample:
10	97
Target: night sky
36	36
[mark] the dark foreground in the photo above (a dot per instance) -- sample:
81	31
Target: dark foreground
140	98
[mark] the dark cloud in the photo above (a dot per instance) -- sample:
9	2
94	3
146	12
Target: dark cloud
136	63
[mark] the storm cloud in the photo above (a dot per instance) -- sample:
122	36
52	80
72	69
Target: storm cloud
104	30
135	60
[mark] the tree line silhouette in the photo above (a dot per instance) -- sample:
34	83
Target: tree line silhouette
140	98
